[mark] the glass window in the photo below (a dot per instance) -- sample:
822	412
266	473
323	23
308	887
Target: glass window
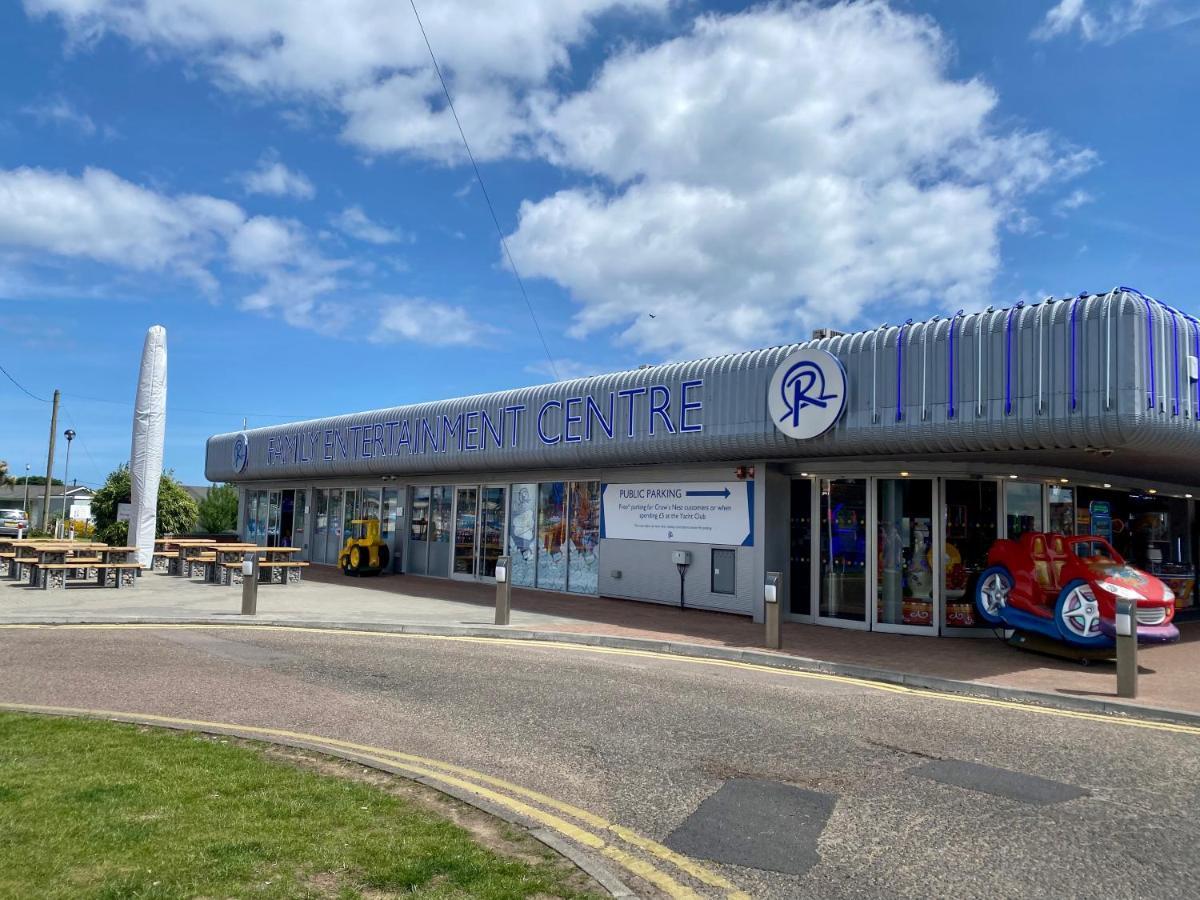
334	545
1023	507
370	505
551	561
971	517
582	556
300	518
904	589
273	517
320	525
522	534
439	515
491	536
260	518
418	519
799	589
390	517
351	512
1061	501
844	549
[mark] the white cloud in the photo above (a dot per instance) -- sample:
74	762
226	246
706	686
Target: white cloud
272	177
1111	21
59	111
426	321
101	217
777	170
1073	201
366	58
354	222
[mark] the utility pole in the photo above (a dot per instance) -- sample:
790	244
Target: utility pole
27	492
50	462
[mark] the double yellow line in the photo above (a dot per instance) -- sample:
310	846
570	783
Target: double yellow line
633	852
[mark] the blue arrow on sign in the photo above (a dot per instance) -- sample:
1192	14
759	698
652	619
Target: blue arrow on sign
722	493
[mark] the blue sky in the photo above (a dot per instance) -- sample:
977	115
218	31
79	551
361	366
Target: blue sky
280	186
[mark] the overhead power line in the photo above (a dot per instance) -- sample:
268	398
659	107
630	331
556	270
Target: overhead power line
483	188
22	387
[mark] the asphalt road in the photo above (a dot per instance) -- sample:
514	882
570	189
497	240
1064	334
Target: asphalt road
780	784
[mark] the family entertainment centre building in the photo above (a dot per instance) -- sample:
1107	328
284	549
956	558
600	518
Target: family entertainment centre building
873	470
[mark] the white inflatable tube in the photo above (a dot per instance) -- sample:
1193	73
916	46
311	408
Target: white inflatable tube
146	455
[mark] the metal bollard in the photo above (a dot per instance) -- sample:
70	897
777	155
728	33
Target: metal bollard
771	596
503	590
1127	665
250	584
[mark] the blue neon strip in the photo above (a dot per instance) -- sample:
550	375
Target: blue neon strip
1008	361
1196	389
1175	357
900	371
1150	341
1074	395
950	377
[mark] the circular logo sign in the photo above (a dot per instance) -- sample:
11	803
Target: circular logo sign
241	452
807	393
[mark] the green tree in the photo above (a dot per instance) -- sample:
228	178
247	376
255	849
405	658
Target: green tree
219	509
177	511
4	476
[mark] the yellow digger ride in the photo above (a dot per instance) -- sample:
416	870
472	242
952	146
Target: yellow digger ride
365	552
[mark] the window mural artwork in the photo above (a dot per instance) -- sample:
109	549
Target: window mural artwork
522	534
584	511
552	533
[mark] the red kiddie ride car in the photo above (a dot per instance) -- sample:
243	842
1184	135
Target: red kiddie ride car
1067	588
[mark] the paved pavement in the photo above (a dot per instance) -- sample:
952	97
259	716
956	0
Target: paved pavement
785	784
1169	678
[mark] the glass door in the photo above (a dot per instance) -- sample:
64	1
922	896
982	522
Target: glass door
842	591
971	516
906	556
333	542
466	532
493	501
273	512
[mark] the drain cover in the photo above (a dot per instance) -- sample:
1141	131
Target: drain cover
760	824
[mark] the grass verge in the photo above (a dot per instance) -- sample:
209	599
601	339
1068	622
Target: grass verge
103	810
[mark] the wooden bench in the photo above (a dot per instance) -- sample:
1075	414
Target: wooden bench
203	560
165	561
289	571
118	574
54	575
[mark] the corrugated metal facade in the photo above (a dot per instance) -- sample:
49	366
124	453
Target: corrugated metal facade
1102	373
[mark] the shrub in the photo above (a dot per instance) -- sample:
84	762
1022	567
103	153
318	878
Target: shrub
177	511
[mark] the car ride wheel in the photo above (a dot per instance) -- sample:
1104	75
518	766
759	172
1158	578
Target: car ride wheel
384	558
358	559
1077	615
993	595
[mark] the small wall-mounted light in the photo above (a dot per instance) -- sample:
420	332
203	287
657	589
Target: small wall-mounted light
1064	480
1013	477
903	474
1107	485
1152	491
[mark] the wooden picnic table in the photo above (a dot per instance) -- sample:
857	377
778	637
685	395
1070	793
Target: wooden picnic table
54	561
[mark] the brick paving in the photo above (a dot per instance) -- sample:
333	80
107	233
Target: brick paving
1169	675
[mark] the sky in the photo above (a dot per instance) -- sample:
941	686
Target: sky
283	187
